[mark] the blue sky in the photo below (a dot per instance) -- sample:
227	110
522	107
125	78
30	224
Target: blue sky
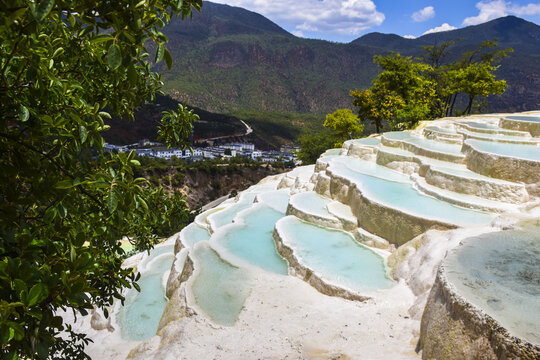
346	20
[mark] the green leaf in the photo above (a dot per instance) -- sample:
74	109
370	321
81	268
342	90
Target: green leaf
72	254
14	16
24	114
159	53
64	184
58	51
43	9
112	202
18	330
105	114
168	58
37	292
132	74
83	133
101	38
114	57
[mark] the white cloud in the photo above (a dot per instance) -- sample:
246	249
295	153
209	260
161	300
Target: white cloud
425	14
298	33
331	17
409	36
443	27
490	10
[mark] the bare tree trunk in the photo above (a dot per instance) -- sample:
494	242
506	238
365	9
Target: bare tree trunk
453	104
469	106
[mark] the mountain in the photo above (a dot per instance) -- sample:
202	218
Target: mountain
210	127
228	59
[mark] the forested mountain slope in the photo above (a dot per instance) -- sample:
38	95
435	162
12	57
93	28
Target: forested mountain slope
228	59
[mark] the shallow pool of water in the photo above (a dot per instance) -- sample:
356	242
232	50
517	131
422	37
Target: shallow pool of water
219	289
251	239
500	273
335	256
278	199
524	118
227	215
312	203
526	152
396	191
368	141
193	234
139	317
424	143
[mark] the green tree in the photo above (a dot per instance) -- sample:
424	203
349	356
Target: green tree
474	72
312	145
409	90
345	125
376	105
64	204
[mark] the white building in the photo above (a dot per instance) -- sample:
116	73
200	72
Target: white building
115	148
239	147
163	153
256	154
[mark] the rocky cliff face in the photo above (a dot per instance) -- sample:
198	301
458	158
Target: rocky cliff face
201	187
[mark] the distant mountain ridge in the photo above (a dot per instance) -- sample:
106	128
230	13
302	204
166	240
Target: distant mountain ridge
228	59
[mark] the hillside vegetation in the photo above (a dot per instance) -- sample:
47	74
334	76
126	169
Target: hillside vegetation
229	59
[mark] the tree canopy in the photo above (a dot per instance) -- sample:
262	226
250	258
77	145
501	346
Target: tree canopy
312	145
345	125
408	90
65	66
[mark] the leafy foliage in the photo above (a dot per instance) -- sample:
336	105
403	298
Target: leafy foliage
64	67
345	125
408	90
177	126
376	104
312	145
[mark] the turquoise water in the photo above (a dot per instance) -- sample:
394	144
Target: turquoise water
480	125
402	195
369	141
193	234
504	138
526	152
358	166
252	240
440	130
331	152
500	273
247	197
139	317
227	215
524	118
278	199
424	143
397	135
468	174
155	252
435	145
219	288
312	203
335	256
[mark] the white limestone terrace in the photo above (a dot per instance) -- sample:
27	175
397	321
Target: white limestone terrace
525	122
271	273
